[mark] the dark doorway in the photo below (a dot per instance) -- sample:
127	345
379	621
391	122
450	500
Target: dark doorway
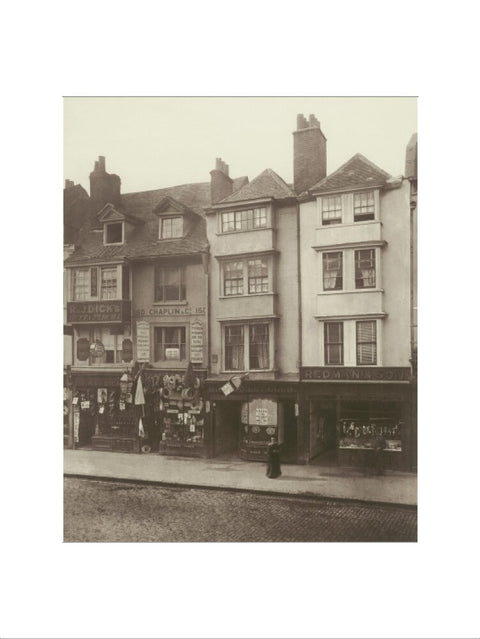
226	428
289	446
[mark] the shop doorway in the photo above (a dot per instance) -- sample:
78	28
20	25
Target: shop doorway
323	434
226	428
289	445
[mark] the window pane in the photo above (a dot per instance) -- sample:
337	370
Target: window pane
171	337
259	346
332	271
258	276
365	276
109	283
114	233
234	353
233	278
367	342
363	206
172	227
81	284
333	334
331	210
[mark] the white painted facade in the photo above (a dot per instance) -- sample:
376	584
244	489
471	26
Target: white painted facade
387	302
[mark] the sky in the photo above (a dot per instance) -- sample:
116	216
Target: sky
155	142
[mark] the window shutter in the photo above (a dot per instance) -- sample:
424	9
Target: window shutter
94	282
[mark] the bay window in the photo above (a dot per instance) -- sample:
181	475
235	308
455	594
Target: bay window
256	272
244	220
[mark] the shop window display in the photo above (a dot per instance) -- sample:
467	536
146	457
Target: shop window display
183	413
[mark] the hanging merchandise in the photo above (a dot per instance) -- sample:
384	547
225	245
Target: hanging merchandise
141	431
139	395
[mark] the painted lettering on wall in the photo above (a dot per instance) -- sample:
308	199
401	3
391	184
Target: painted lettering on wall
98	311
324	373
160	311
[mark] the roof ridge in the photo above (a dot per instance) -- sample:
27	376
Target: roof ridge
357	156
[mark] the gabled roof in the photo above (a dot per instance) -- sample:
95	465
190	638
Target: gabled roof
356	173
168	204
111	213
143	240
266	185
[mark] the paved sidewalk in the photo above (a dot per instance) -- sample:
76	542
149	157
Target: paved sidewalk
306	480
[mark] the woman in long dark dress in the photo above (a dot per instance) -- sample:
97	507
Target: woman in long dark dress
273	467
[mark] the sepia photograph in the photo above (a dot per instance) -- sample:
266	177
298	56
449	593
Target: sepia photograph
240	319
265	353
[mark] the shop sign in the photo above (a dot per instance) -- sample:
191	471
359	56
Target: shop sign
227	389
143	341
196	342
169	311
127	350
355	373
172	353
86	312
83	349
261	416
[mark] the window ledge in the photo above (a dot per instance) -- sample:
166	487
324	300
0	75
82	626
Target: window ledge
227	297
354	290
262	228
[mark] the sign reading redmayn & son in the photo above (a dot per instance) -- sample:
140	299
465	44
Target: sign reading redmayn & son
88	312
355	373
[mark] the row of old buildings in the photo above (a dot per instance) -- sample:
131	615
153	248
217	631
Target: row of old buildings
204	319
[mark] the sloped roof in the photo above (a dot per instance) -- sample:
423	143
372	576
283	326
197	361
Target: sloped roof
143	240
267	184
358	172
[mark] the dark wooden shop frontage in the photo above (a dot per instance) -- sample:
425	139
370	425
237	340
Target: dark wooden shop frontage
344	411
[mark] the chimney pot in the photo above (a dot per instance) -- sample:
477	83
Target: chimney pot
309	153
69	184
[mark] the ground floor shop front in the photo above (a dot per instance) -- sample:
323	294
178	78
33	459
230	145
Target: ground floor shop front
361	422
243	422
138	410
334	422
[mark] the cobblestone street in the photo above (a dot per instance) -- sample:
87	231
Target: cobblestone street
101	511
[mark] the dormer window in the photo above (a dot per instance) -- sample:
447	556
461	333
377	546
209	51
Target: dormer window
113	233
171	227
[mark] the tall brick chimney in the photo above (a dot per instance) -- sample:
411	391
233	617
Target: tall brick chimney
221	185
309	153
104	187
